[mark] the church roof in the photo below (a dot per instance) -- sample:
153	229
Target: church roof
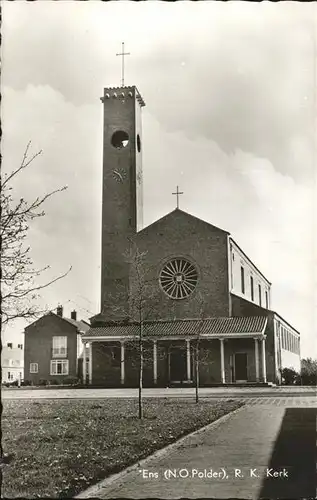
178	211
185	327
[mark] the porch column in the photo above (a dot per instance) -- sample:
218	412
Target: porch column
90	363
188	358
155	361
256	355
263	361
222	361
84	368
122	363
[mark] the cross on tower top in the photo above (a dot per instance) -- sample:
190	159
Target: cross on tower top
122	53
177	195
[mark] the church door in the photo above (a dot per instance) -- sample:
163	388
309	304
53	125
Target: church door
177	365
241	367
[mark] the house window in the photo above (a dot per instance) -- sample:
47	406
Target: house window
59	347
242	280
59	367
266	299
34	367
252	289
260	296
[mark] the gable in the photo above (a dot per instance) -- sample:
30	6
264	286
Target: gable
50	319
179	218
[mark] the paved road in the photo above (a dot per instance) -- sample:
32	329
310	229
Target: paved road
253	392
257	452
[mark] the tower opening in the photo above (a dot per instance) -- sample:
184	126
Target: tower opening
120	139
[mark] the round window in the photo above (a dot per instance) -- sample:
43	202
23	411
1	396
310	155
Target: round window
178	278
138	143
120	139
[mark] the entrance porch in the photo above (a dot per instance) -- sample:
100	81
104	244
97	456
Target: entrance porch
114	362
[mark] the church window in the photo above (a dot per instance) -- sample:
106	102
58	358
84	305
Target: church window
260	296
138	143
120	139
266	299
178	278
252	289
242	280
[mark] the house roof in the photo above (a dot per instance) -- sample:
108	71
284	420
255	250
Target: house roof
186	327
80	324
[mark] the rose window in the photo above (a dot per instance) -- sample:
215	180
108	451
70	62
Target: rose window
178	278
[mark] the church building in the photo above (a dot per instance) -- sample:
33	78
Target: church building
180	288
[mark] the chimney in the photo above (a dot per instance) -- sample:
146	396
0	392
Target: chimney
59	311
73	315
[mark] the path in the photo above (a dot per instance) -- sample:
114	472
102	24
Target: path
245	449
71	393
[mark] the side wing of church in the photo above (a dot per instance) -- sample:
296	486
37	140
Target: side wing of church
181	286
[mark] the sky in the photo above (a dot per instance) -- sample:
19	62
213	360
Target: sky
230	117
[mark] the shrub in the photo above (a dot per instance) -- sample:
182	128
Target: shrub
54	382
289	376
43	381
26	382
15	383
70	381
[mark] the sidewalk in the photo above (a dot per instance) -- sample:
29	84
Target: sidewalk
234	448
73	393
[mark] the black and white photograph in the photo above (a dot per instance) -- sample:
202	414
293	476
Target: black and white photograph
158	249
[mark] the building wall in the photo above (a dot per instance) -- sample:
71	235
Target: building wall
12	363
106	364
180	235
122	195
237	260
289	344
38	347
241	307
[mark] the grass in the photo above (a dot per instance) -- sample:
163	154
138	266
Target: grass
57	448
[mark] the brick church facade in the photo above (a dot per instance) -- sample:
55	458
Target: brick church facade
181	283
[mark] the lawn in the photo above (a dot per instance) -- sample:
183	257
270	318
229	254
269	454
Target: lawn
57	448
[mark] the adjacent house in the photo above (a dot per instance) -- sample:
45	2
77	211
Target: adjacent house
12	363
53	347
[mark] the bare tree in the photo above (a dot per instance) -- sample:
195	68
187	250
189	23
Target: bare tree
142	302
19	290
197	345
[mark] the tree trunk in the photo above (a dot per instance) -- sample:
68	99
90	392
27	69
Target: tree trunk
140	371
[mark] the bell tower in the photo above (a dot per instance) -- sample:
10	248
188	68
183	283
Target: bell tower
122	200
